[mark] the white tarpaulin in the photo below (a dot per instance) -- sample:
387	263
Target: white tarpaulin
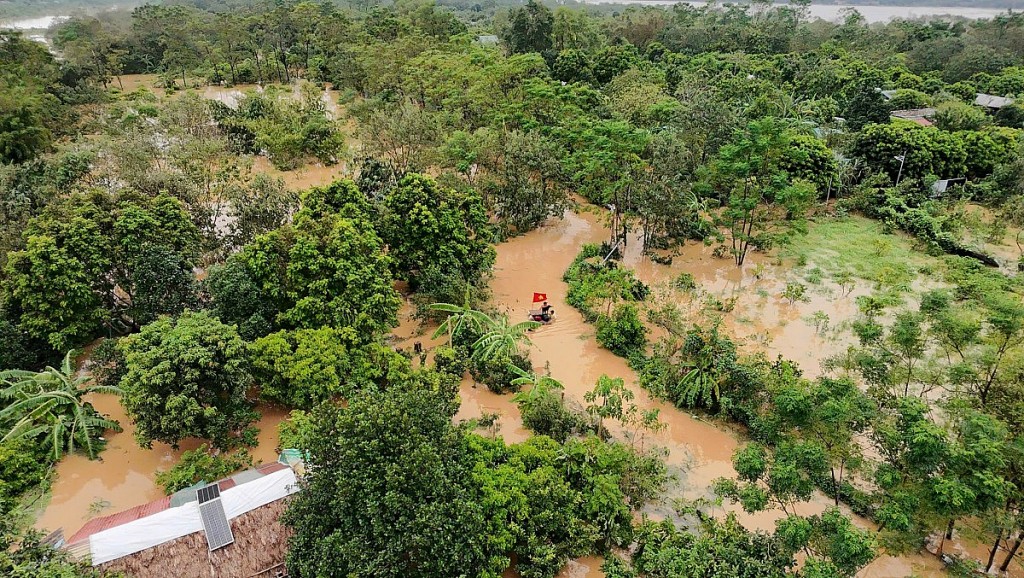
145	533
259	492
173	523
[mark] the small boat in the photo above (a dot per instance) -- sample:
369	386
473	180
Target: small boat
540	316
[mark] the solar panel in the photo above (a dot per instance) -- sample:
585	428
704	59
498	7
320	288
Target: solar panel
215	521
208	493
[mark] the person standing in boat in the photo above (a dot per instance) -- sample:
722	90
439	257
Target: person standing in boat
546	311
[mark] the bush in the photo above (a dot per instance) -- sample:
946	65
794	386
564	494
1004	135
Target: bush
199	465
685	282
545	413
497	374
908	98
294	432
623	333
107	363
22	467
451	361
593	283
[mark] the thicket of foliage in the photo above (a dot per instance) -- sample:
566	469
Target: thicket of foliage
453	503
97	261
201	465
48	408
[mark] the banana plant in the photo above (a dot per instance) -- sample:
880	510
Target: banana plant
50	404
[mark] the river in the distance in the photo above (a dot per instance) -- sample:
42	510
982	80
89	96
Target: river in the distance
40	23
835	12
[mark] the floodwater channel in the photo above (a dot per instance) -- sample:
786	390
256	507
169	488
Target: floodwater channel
124	475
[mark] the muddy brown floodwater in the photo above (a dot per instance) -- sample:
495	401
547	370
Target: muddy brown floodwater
228	95
124	476
697	451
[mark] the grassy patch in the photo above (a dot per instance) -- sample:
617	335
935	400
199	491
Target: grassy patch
862	248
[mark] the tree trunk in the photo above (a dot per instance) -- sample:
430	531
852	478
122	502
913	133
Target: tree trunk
1013	552
992	554
259	69
949	529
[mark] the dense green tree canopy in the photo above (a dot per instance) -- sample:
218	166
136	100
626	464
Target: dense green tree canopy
187	377
328	269
391	495
99	260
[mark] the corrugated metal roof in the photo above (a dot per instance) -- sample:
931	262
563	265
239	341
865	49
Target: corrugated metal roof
990	101
267	469
129	515
913	113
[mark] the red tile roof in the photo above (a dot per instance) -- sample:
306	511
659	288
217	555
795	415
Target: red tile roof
267	469
130	515
138	512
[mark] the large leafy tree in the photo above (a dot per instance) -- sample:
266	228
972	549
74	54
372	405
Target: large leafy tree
436	232
302	368
187	377
328	269
390	495
529	28
832	412
49	406
48	292
338	275
763	206
28	109
97	259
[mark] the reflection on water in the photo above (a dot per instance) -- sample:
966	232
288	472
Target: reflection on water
836	12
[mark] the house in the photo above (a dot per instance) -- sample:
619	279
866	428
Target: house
992	102
487	39
921	116
227	529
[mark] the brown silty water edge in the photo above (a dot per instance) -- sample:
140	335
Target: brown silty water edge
124	475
